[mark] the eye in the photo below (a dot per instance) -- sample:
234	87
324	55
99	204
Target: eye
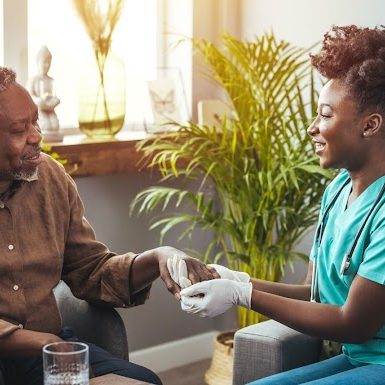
18	129
323	115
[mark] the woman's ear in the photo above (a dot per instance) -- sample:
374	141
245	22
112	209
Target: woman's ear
372	125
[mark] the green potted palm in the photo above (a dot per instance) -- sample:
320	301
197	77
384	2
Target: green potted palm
48	150
265	181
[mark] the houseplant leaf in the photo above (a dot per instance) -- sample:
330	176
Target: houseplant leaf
259	182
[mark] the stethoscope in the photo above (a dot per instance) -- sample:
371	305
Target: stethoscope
320	231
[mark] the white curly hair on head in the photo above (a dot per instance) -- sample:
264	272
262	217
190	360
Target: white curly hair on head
7	77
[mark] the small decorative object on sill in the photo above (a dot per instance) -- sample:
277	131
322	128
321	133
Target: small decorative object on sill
168	102
102	97
42	89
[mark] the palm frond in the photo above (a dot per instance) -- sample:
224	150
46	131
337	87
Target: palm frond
259	183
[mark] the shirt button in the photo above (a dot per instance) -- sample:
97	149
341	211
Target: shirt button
11	247
16	287
2	205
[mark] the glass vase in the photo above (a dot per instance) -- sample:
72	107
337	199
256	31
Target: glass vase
102	95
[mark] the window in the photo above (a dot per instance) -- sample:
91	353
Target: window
56	25
139	40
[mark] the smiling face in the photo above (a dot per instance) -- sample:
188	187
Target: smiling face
19	134
337	131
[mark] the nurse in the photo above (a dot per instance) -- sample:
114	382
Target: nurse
347	303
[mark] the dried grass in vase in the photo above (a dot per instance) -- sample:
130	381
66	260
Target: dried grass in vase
100	18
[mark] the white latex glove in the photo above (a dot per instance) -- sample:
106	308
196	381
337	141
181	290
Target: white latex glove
178	270
224	272
214	297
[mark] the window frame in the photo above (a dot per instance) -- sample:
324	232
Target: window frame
15	37
14	44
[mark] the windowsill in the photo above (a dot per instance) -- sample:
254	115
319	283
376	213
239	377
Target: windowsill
87	157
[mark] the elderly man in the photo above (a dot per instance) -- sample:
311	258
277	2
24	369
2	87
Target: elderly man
44	237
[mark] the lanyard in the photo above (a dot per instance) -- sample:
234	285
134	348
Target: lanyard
319	234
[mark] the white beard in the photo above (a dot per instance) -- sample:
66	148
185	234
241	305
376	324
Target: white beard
26	176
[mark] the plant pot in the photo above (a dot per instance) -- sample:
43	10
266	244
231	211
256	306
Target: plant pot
221	368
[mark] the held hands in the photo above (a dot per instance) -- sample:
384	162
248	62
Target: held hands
181	270
214	297
178	271
224	272
211	297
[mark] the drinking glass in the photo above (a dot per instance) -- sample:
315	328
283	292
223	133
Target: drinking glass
66	363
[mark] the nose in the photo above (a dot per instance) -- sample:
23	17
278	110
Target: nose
34	134
313	128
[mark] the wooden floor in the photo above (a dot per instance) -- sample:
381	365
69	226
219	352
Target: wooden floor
192	374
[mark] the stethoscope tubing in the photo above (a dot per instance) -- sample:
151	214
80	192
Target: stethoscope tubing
319	234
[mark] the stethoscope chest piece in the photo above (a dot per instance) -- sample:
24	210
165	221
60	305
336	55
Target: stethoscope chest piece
345	264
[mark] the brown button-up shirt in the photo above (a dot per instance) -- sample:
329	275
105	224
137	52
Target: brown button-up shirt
44	237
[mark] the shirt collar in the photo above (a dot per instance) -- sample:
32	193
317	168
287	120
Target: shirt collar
4	185
8	188
33	177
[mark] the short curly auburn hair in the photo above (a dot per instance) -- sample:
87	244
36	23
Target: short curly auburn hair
356	56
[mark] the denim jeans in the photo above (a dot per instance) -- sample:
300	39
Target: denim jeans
336	370
29	371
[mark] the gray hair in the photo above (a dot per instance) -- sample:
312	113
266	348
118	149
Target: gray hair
7	77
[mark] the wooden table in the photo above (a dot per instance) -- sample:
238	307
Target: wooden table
113	379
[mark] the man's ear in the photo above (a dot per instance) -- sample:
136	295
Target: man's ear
372	124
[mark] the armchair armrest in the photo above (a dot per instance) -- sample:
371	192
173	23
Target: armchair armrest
102	326
269	347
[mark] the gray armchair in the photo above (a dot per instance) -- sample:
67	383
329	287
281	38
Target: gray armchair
269	347
102	326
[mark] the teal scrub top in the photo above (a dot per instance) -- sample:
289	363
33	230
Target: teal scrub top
368	260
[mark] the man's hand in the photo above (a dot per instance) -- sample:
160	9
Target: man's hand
196	270
232	275
151	263
25	343
211	298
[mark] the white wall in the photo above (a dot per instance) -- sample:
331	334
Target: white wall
211	18
303	22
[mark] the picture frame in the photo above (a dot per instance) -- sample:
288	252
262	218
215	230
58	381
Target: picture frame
167	98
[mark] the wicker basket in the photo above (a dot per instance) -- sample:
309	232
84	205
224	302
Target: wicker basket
221	368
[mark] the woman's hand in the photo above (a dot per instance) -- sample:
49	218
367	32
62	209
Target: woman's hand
232	275
212	298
